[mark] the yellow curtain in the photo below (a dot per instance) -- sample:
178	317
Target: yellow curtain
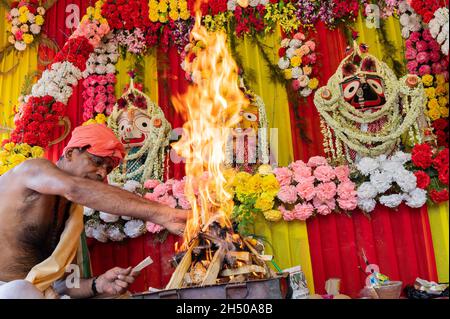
13	70
438	215
287	242
150	73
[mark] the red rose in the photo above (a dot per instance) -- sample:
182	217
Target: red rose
439	196
423	180
442	138
282	52
440	124
443	176
421	155
441	161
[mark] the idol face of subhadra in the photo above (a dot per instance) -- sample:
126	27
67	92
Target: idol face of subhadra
134	128
249	121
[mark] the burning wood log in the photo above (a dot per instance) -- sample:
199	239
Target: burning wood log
177	277
247	269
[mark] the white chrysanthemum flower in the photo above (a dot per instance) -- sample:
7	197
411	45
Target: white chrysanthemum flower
294	43
113	57
126	217
264	2
99	233
100	69
31	17
367	205
305	92
110	68
131	186
367	165
35	29
401	157
108	218
391	166
114	233
391	201
14	12
102	58
416	198
253	3
284	63
89	227
231	5
296	72
20	45
134	228
87	211
290	52
366	191
382	181
406	180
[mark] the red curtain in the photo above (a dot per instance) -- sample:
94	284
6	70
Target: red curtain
399	242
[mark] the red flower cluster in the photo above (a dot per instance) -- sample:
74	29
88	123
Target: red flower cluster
32	5
439	196
345	9
440	163
421	155
423	180
426	8
441	131
249	20
75	51
211	7
126	14
40	115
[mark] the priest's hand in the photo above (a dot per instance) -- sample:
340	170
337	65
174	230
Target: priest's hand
115	281
176	221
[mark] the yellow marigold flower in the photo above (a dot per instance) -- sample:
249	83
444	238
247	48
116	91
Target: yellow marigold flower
89	122
444	111
430	92
434	114
273	215
23	18
37	151
162	7
174	15
23	10
287	74
427	80
313	83
100	118
9	146
443	101
90	11
433	104
185	14
264	202
23	149
270	185
253	185
440	79
296	61
39	20
154	17
27	38
16	159
3	169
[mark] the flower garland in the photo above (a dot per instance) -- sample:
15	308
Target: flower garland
431	168
24	23
98	93
424	54
386	180
409	19
12	155
436	90
126	14
297	59
439	28
426	8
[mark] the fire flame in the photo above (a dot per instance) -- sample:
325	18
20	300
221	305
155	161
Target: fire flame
211	108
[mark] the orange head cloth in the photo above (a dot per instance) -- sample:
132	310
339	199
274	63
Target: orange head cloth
101	139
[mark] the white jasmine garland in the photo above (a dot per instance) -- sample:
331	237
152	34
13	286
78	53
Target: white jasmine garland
391	201
366	205
134	228
416	198
366	191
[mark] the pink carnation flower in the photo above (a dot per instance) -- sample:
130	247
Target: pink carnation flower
160	190
329	203
422	57
151	197
178	188
184	203
303	173
323	210
317	161
303	211
342	172
324	173
306	190
287	215
424	69
414	37
410	54
153	228
151	183
346	190
326	191
348	203
297	164
421	46
288	194
283	175
168	200
426	35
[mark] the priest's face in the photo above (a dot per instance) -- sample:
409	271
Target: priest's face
81	163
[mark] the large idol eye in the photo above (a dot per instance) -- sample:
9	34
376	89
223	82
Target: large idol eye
350	89
376	86
250	117
143	123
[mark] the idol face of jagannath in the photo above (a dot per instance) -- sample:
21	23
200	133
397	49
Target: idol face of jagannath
365	109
